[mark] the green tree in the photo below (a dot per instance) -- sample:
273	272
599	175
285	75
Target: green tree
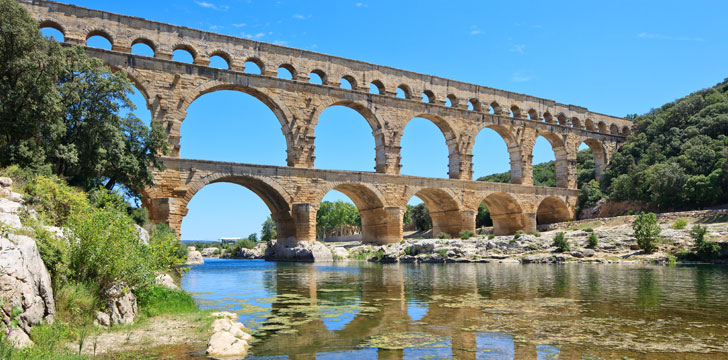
647	231
483	217
421	217
253	237
268	231
332	215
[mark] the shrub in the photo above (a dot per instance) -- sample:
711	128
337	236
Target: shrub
466	234
442	252
518	234
54	251
647	231
593	240
703	248
54	201
536	234
491	237
164	248
561	242
139	215
589	230
679	224
444	235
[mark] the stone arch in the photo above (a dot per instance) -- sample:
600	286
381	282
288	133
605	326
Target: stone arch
362	109
614	129
322	75
575	122
552	210
351	80
561	118
132	75
290	69
448	133
430	96
496	108
513	147
589	124
380	87
405	90
475	105
223	55
370	203
547	117
145	41
560	155
506	213
102	33
453	100
626	131
600	155
272	194
191	50
258	62
515	111
602	126
533	114
48	23
444	210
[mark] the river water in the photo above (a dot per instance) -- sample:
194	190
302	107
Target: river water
361	310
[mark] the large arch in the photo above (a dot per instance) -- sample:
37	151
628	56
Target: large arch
450	137
506	213
600	155
445	211
376	221
272	194
512	147
561	170
552	210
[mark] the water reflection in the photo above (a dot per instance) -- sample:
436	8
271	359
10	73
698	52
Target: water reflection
470	311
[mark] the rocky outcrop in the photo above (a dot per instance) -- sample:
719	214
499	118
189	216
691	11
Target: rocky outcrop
25	286
307	251
210	252
194	257
166	280
229	339
121	307
258	252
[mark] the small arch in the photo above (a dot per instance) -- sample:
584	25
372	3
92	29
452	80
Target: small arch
348	82
505	212
404	92
474	105
626	131
533	114
101	33
451	101
144	47
286	71
317	76
515	112
576	123
52	29
495	108
561	118
548	118
376	87
602	127
552	210
253	65
589	124
614	130
428	96
220	59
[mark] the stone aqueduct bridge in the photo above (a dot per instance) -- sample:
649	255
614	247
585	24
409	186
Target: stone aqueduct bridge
293	193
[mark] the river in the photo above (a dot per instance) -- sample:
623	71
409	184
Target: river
359	310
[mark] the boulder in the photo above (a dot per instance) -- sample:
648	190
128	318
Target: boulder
24	284
121	305
5	187
588	252
422	247
9	213
224	344
166	280
143	234
339	253
194	257
208	252
309	251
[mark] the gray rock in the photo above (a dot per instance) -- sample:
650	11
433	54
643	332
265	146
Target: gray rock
308	251
577	254
24	283
11	220
103	319
207	252
422	247
166	280
121	305
339	253
194	257
588	252
143	234
254	253
6	182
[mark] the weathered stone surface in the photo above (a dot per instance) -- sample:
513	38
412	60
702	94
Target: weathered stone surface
121	305
208	252
224	344
143	234
24	283
308	251
194	257
166	280
339	253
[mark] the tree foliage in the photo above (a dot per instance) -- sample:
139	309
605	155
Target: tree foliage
268	231
544	174
61	111
333	215
420	216
647	231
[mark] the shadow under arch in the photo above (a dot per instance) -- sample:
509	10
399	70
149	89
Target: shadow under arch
552	210
444	210
506	213
274	197
560	157
371	206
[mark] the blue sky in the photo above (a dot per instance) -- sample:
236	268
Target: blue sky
616	57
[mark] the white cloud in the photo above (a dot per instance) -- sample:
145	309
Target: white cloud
361	4
212	6
253	36
518	77
239	25
301	17
280	42
518	48
653	36
474	30
215	27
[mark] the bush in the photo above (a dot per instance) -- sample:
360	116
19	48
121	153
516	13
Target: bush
592	241
491	237
54	201
589	230
561	242
518	234
466	234
139	215
444	235
679	224
704	249
647	231
536	234
164	249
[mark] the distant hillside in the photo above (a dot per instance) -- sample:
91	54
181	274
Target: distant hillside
544	173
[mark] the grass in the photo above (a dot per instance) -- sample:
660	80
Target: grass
158	300
679	224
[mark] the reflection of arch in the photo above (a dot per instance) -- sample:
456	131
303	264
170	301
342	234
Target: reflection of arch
560	155
99	32
552	210
53	25
505	212
274	196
